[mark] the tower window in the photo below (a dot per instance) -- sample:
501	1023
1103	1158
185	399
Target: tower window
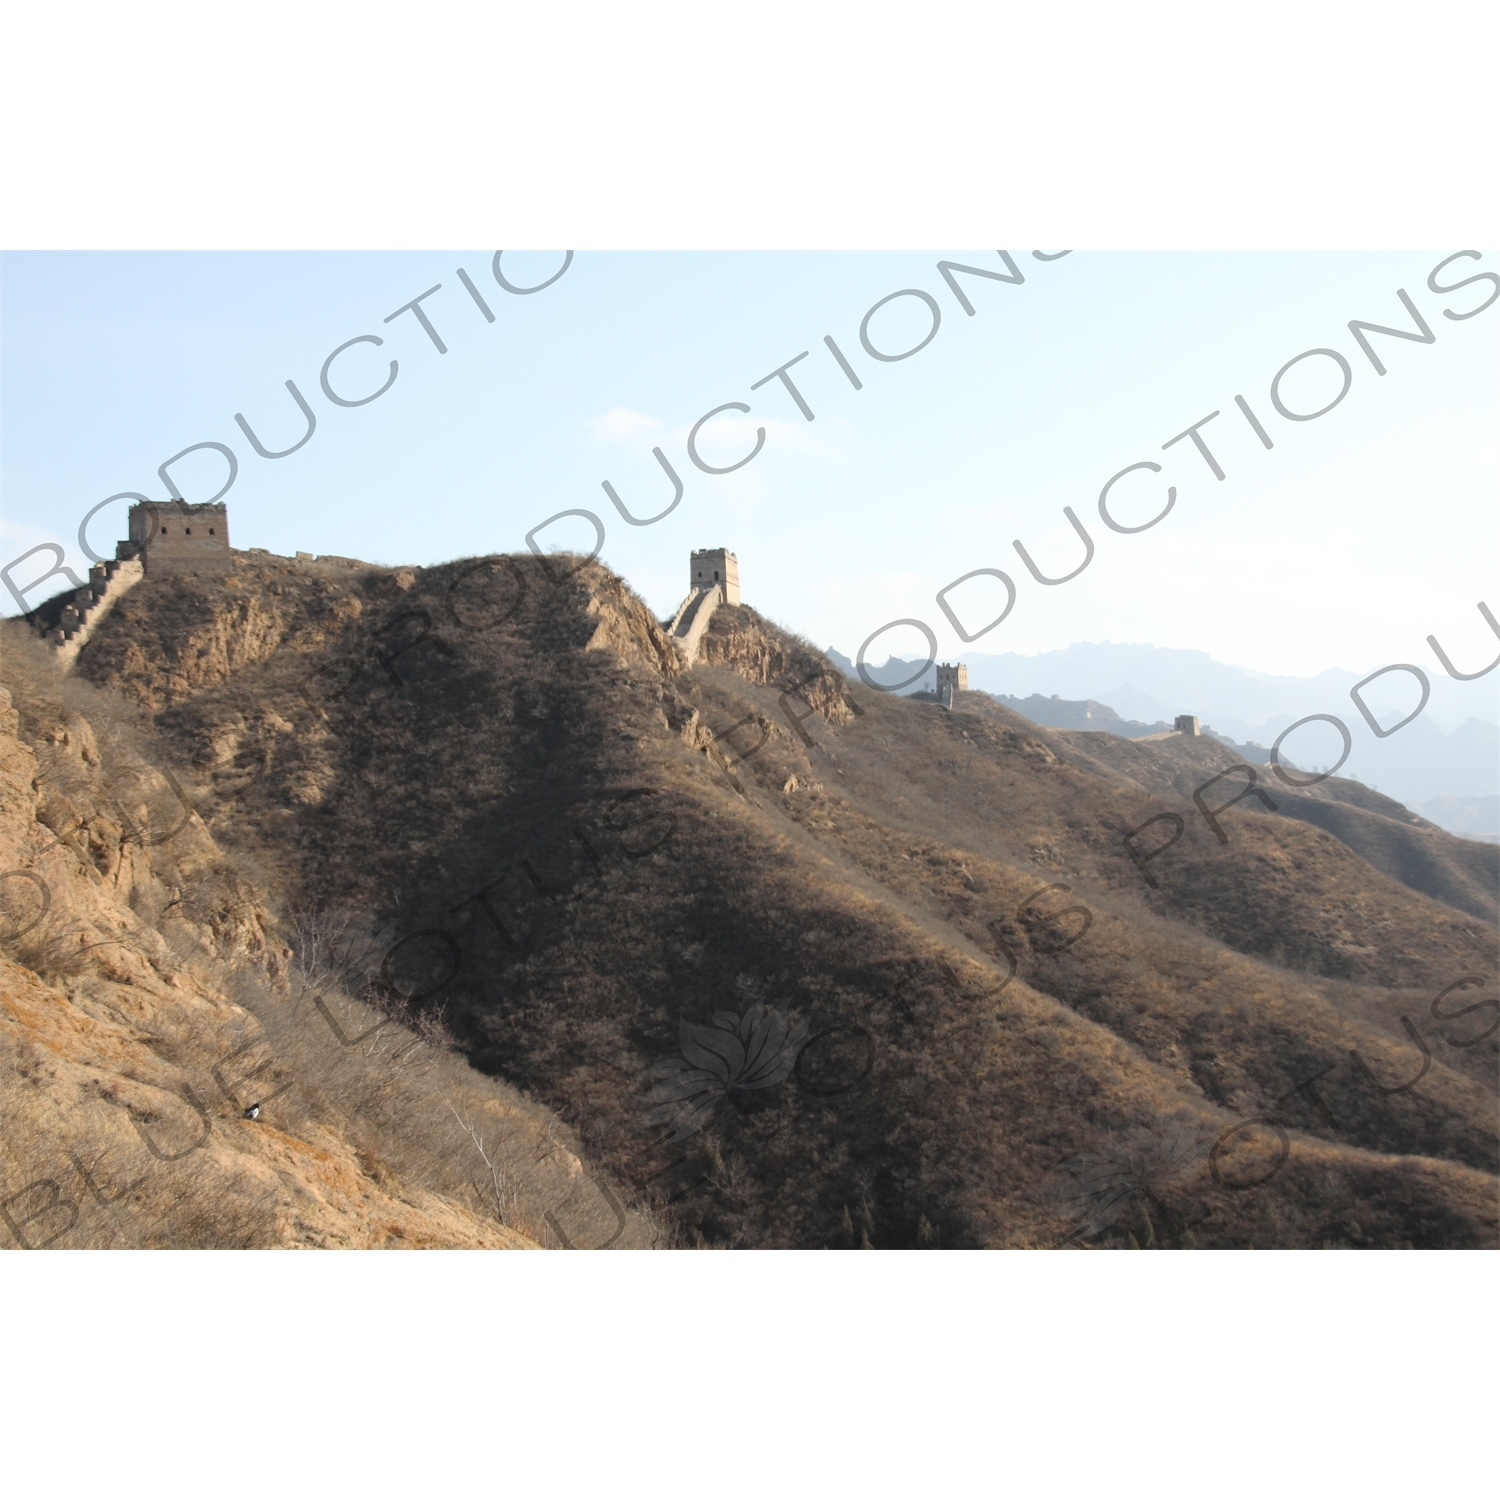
187	531
210	531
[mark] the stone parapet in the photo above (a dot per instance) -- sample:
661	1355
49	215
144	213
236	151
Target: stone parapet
108	583
692	619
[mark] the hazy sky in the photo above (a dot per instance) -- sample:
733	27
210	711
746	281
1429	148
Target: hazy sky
1345	545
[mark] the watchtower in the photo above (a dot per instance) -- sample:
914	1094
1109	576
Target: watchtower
716	565
1186	724
171	536
955	679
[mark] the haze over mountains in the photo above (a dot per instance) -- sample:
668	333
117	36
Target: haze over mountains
1445	763
784	960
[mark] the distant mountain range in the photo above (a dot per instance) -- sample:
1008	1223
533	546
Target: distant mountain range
1068	713
1452	777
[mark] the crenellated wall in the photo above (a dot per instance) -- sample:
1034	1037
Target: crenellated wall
108	583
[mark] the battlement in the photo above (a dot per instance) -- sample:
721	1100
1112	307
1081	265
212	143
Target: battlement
81	615
172	536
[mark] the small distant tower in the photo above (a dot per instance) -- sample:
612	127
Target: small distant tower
1185	724
717	566
951	679
171	536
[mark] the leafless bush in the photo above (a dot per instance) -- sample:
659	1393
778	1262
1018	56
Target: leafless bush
52	948
501	1192
388	1076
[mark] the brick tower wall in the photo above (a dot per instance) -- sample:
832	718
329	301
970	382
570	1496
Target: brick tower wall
716	565
174	537
955	676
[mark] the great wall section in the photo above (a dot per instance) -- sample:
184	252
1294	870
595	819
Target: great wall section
714	579
79	617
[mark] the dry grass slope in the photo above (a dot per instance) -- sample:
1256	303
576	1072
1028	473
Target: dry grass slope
149	997
527	823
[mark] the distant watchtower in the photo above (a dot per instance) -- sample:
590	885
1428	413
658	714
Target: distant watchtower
1186	724
171	536
716	565
952	679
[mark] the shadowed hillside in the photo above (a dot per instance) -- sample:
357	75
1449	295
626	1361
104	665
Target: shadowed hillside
805	964
180	1068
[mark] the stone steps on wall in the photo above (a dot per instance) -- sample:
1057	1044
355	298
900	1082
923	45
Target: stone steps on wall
682	609
108	583
692	617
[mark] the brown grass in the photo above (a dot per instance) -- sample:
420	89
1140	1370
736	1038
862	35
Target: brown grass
555	797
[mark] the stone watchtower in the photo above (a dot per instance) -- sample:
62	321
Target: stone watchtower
951	679
716	566
171	536
715	581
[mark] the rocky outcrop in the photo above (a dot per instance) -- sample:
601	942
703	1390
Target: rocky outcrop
741	642
623	623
